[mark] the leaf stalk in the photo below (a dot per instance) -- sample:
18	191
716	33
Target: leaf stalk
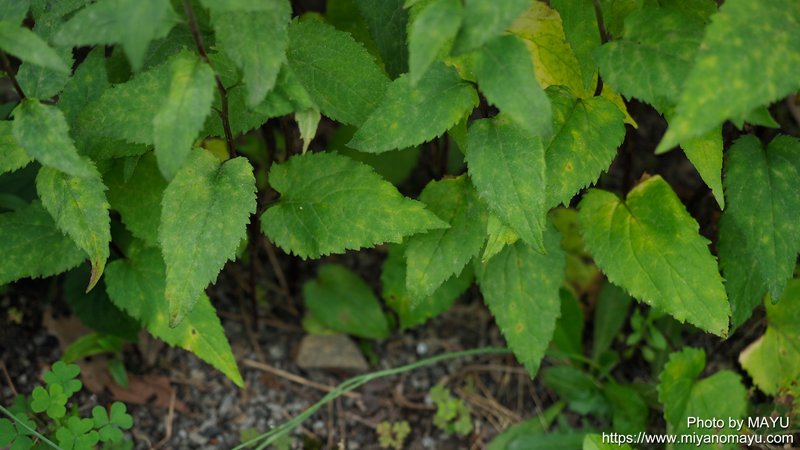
223	93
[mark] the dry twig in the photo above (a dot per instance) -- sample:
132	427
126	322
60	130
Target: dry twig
296	378
8	378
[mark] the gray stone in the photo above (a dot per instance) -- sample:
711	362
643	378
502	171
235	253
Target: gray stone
198	438
330	352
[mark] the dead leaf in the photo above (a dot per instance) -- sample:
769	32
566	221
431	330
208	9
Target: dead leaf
151	390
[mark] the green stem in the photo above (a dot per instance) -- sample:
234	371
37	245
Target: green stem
23	425
353	383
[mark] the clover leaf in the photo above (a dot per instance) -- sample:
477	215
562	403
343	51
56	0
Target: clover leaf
107	426
64	374
52	401
77	435
21	405
17	437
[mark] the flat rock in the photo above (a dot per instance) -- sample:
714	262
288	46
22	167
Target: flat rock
336	351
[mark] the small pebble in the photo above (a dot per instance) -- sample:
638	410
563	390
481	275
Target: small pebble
428	442
353	445
198	438
422	349
318	425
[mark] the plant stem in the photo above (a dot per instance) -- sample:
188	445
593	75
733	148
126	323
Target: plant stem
223	93
353	383
598	12
23	425
7	68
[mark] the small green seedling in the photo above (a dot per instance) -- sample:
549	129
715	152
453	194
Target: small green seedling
392	435
452	415
645	328
66	428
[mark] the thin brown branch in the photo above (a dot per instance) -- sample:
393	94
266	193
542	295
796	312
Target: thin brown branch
8	378
223	93
7	68
296	378
601	25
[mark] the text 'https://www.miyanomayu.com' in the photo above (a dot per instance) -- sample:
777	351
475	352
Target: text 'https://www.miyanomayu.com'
714	431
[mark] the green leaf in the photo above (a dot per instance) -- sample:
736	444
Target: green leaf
319	214
650	246
205	212
12	155
126	111
109	424
705	152
630	410
132	23
139	199
582	33
505	75
764	203
344	15
744	282
386	21
521	286
773	360
88	84
698	10
14	10
339	75
136	284
506	163
94	344
596	442
43	132
40	81
437	255
342	301
51	400
431	29
77	435
653	58
578	388
256	41
394	167
568	334
64	375
59	9
32	245
307	122
393	279
729	79
587	133
181	117
610	315
554	63
238	5
95	310
27	46
720	395
534	426
80	210
500	235
409	116
484	20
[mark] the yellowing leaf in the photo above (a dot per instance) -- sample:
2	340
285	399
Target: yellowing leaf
554	63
